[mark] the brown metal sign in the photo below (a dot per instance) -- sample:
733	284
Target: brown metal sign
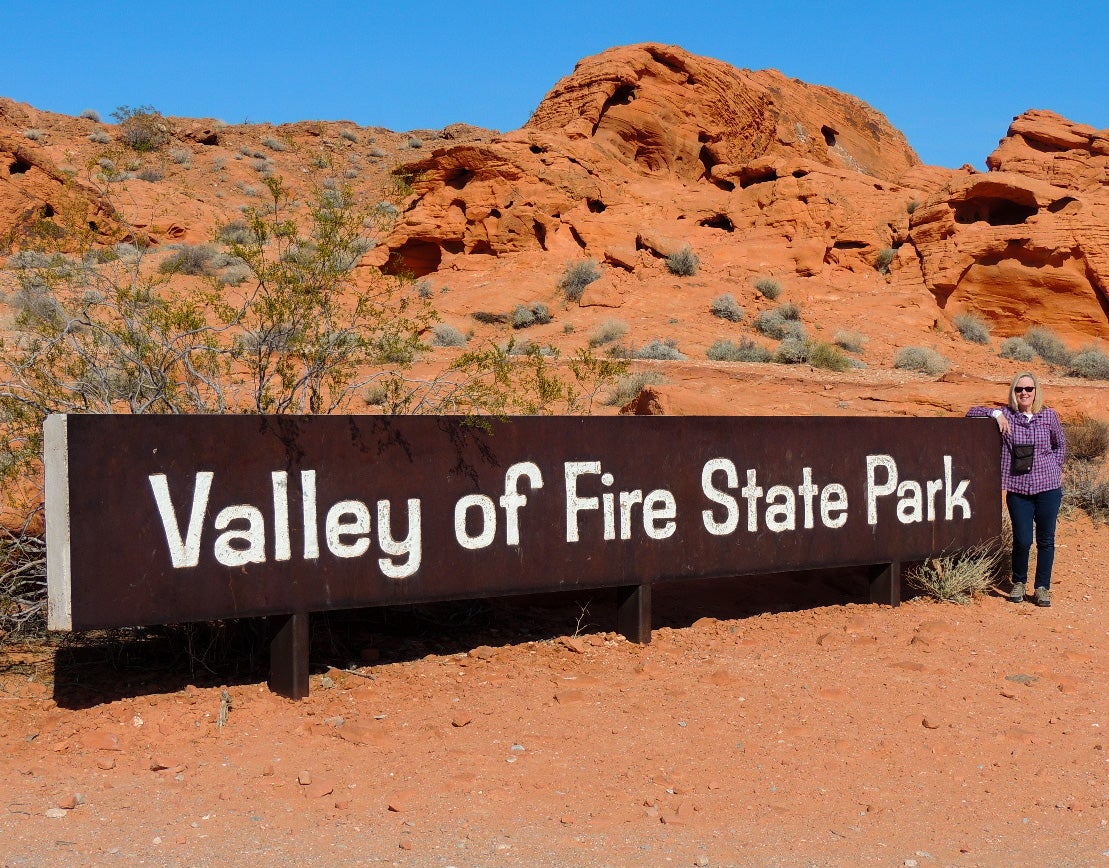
156	519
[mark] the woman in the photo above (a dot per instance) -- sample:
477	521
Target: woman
1033	449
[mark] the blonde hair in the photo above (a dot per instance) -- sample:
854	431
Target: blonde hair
1037	396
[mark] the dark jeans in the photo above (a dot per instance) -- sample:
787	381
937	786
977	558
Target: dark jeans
1042	510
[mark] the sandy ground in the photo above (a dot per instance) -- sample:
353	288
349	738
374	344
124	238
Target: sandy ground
772	721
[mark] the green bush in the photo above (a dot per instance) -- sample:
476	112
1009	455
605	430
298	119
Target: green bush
853	342
972	328
576	277
828	356
608	331
1017	349
628	388
922	360
768	287
726	307
684	262
490	318
744	351
661	351
1048	345
142	129
1090	363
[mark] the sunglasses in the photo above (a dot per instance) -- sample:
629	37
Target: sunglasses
1024	388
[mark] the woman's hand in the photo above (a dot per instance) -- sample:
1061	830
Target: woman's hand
1003	425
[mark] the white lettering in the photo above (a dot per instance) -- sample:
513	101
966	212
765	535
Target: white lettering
910	508
731	506
335	528
956	498
751	492
183	552
873	490
409	548
511	501
254	535
833	499
780	516
659	505
574	503
308	511
282	548
488	530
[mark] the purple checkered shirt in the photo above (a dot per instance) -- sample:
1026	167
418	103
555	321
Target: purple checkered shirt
1046	432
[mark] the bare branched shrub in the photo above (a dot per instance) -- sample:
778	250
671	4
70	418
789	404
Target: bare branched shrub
792	351
577	277
527	315
959	578
1087	438
922	360
726	307
684	262
1086	488
274	144
744	351
22	579
782	323
973	328
193	259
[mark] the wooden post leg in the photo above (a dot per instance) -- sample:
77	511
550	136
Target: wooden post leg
289	656
633	613
885	584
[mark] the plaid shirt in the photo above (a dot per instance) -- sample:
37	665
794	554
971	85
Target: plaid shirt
1046	432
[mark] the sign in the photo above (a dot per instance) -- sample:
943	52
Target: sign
165	519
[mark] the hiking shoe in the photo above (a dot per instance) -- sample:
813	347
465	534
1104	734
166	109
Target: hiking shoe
1042	597
1017	594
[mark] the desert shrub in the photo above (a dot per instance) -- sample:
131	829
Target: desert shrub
885	259
576	277
181	156
853	342
90	115
274	144
262	166
781	323
415	142
1087	438
378	153
660	351
526	315
1017	349
959	578
726	307
744	351
828	356
151	174
143	128
768	287
912	206
35	135
1048	345
684	262
922	360
792	351
235	232
195	259
1089	363
99	137
1085	489
972	328
424	289
444	335
628	388
608	331
349	135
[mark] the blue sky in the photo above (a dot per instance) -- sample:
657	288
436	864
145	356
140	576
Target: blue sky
950	75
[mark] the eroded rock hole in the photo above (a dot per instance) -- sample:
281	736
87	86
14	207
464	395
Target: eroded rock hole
415	258
19	166
829	136
596	205
458	178
46	211
993	210
719	221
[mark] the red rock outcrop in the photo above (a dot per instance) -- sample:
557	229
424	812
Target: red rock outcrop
1028	242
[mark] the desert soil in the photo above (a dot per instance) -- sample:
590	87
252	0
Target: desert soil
772	721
